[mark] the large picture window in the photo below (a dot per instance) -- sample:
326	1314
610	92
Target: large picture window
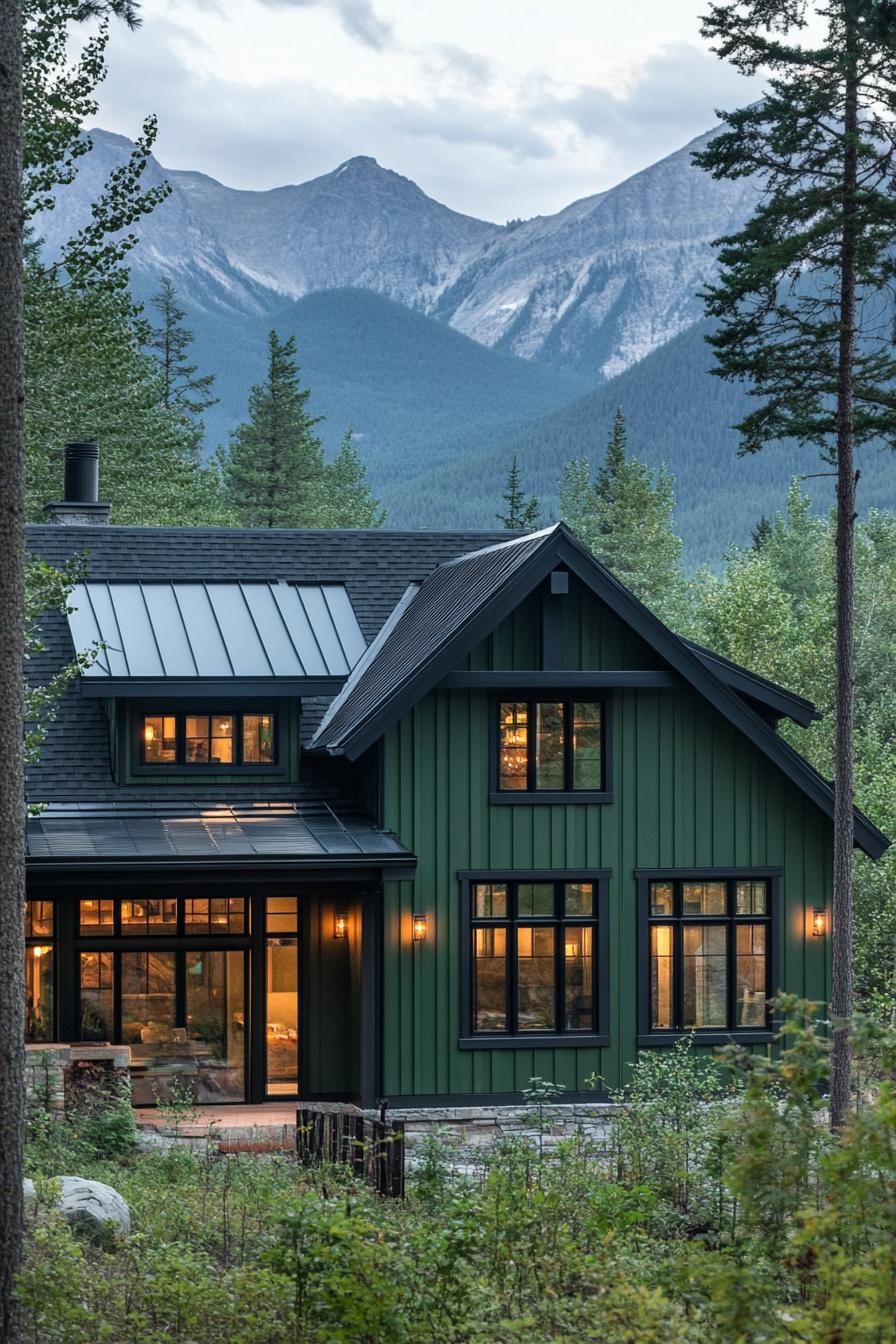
532	957
551	746
709	954
207	739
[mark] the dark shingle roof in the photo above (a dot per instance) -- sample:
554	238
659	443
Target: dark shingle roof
199	831
374	566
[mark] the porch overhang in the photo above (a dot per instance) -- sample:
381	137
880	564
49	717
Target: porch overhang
313	839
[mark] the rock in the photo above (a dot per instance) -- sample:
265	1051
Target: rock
93	1206
28	1191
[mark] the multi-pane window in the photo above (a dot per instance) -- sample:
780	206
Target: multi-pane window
208	739
550	746
151	916
39	971
533	957
709	954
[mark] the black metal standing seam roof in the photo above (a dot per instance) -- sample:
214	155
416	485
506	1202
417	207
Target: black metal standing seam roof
282	831
465	596
440	610
220	630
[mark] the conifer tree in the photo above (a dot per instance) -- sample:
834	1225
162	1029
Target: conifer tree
521	512
804	305
760	533
184	389
625	516
273	471
349	501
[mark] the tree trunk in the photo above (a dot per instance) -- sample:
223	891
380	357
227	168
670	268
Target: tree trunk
842	914
12	652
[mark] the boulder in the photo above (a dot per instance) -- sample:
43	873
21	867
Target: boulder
94	1207
29	1194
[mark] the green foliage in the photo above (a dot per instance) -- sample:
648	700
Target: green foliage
87	378
47	589
779	295
183	388
772	610
348	500
273	471
521	512
720	1208
624	516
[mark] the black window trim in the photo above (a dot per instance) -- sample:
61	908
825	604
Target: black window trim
188	769
534	1040
51	941
649	1036
533	797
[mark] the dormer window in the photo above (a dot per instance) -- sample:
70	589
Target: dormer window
206	739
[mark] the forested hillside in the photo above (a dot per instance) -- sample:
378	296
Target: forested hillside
405	382
676	414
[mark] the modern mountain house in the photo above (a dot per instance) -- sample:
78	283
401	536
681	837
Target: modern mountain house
418	815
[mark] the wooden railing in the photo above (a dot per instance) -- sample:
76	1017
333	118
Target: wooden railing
333	1132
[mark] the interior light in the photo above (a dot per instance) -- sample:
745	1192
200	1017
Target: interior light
148	732
420	923
819	923
38	951
340	925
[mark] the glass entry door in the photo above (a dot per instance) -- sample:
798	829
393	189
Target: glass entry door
281	996
182	1012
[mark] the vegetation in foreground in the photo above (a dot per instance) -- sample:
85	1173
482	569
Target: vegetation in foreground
720	1207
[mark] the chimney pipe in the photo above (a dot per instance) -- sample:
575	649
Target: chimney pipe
82	472
80	506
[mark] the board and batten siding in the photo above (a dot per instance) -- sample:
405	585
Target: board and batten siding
689	792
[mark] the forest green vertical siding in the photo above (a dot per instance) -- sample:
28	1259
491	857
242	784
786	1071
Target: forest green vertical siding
689	791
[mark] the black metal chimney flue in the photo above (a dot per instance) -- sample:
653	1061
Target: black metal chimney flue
80	506
82	472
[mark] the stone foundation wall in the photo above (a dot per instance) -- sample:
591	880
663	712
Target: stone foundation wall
469	1132
60	1078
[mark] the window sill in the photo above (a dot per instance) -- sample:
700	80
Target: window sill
738	1036
548	799
146	772
533	1041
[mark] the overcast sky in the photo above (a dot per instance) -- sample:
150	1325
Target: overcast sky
499	108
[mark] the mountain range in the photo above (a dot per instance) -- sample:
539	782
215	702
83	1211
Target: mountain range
450	343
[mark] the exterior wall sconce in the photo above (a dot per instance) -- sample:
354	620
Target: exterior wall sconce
819	923
420	925
340	925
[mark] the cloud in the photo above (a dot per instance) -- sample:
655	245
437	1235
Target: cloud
676	91
357	17
469	133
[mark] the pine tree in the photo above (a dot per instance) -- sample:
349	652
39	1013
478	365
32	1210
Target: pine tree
625	516
348	499
12	652
804	306
274	469
521	512
760	533
184	389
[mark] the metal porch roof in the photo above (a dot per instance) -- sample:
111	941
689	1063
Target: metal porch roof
86	832
215	631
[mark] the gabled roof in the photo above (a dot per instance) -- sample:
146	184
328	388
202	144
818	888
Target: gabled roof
197	632
464	599
781	702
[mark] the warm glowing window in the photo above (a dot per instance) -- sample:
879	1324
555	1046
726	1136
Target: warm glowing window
207	739
550	746
709	950
533	957
159	739
40	1020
